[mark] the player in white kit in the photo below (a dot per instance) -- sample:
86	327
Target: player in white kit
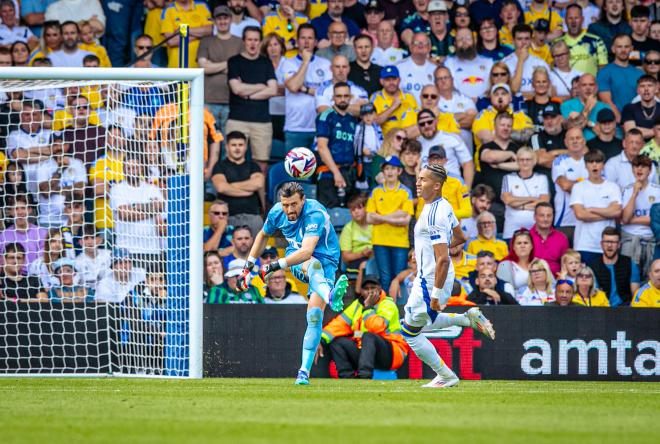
436	230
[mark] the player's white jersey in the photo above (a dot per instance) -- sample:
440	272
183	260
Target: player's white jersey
435	226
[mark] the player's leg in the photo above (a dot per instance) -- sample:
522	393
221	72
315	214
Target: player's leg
417	315
321	279
473	318
346	355
312	337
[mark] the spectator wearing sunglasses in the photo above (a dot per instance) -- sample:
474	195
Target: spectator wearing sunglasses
651	64
586	292
217	235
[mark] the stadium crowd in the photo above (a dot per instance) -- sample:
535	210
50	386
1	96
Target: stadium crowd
545	115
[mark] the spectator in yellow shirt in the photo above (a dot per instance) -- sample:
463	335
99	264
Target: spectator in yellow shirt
395	108
587	294
389	209
197	16
454	189
540	11
539	47
486	239
648	296
284	21
463	263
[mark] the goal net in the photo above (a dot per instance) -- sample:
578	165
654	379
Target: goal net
100	222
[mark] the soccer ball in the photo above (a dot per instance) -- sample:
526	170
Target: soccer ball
300	163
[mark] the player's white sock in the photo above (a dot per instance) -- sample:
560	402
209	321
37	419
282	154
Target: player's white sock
444	320
429	355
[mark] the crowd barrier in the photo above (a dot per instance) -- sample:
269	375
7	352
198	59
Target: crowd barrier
533	343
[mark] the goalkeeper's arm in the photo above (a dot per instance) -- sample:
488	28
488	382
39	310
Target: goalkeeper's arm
257	248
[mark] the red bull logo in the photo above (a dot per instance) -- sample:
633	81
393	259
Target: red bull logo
473	80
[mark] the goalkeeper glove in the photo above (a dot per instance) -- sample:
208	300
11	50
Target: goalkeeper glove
268	269
243	282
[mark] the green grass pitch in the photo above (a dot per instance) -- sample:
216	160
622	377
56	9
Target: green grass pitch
52	411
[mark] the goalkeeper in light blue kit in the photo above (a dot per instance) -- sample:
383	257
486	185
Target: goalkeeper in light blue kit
312	255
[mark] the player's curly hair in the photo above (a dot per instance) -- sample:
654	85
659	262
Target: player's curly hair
438	171
291	188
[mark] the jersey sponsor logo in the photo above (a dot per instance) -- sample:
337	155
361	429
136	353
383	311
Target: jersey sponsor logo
311	227
473	80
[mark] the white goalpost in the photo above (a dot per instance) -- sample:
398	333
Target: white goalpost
101	222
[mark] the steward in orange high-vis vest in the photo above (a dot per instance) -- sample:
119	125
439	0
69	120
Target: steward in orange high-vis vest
367	334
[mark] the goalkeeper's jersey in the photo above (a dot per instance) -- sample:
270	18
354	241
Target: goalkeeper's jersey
434	226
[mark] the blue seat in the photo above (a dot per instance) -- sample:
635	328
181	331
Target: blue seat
277	175
339	217
310	190
384	375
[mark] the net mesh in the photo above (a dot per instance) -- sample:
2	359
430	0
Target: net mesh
94	229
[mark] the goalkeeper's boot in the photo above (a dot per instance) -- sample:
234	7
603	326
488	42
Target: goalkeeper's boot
479	322
302	378
338	292
442	382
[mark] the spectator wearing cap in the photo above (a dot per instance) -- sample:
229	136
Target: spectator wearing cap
417	21
285	22
583	109
337	35
15	285
468	68
457	154
548	141
386	52
239	16
123	279
542	10
613	22
198	17
637	240
229	293
335	129
389	209
303	75
521	192
619	168
643	114
483	126
542	95
451	101
395	108
652	147
640	22
11	31
68	289
617	81
454	188
362	72
442	41
325	93
373	17
367	334
596	203
562	73
417	70
520	62
333	14
93	263
497	159
213	54
539	46
606	139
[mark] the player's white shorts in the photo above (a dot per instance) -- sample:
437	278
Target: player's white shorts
418	312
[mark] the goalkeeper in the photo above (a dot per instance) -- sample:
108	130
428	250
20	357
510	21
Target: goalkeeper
312	255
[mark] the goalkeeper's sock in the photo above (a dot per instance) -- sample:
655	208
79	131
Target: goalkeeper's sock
312	337
444	320
317	280
429	355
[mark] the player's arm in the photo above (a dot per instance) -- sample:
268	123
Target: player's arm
258	246
438	298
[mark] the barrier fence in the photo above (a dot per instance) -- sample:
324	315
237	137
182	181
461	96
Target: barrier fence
533	343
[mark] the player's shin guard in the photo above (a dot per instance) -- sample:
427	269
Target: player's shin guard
426	351
318	281
312	337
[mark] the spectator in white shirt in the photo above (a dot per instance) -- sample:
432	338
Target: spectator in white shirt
521	63
137	208
456	103
340	69
567	170
69	56
385	54
637	240
239	20
563	74
469	69
10	31
93	264
521	191
619	168
76	11
123	279
597	204
416	71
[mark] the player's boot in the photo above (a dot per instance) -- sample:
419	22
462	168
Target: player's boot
479	322
338	292
302	378
440	382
